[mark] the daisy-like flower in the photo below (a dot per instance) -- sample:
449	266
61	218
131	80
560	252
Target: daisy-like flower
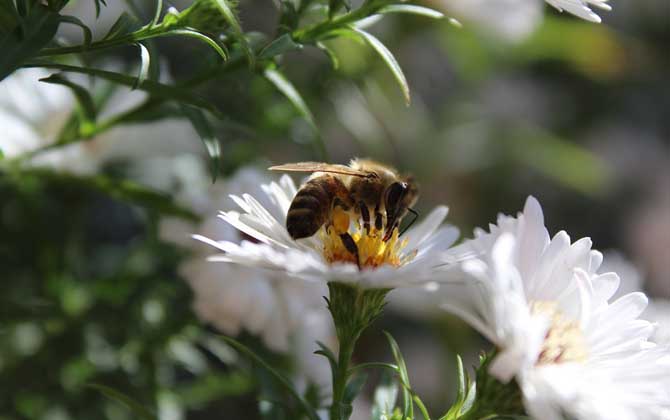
408	260
659	312
288	316
544	305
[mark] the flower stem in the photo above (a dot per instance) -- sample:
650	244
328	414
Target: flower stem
353	310
340	410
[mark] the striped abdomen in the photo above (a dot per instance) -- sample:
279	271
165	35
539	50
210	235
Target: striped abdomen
311	206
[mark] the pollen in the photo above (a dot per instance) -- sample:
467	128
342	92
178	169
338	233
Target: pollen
373	251
564	341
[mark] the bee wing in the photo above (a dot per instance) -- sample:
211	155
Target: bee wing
320	167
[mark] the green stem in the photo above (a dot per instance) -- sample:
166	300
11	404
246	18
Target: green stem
353	310
338	410
315	32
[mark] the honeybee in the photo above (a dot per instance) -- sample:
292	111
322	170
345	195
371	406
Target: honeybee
372	192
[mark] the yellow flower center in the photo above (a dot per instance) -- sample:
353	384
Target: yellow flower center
564	341
373	251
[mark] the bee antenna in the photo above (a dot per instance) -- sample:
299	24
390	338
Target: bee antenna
415	214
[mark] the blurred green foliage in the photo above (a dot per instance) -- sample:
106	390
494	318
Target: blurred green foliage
92	295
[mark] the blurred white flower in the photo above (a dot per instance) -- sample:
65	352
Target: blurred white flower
288	314
514	20
509	20
33	113
410	261
543	304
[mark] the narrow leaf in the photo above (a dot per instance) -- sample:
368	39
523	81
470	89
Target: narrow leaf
199	36
286	87
209	139
412	9
122	190
123	399
82	94
125	24
354	387
461	393
231	18
145	62
408	405
27	39
279	46
309	411
327	353
154	88
157	13
330	53
97	7
389	59
88	35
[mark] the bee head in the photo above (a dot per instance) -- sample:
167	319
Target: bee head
399	196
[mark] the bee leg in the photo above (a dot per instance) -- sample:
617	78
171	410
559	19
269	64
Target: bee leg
379	220
351	246
365	213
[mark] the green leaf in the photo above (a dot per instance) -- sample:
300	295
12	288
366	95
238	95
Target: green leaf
97	6
309	410
209	139
330	53
231	18
354	387
462	382
27	39
389	59
145	62
154	88
88	35
408	405
82	94
123	190
279	46
328	354
287	89
9	17
219	48
124	25
335	5
412	9
157	13
123	399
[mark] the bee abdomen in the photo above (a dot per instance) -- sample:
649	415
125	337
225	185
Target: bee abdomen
309	210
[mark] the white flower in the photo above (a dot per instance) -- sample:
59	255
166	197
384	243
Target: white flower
288	315
33	114
509	20
581	8
658	312
514	20
408	261
543	304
